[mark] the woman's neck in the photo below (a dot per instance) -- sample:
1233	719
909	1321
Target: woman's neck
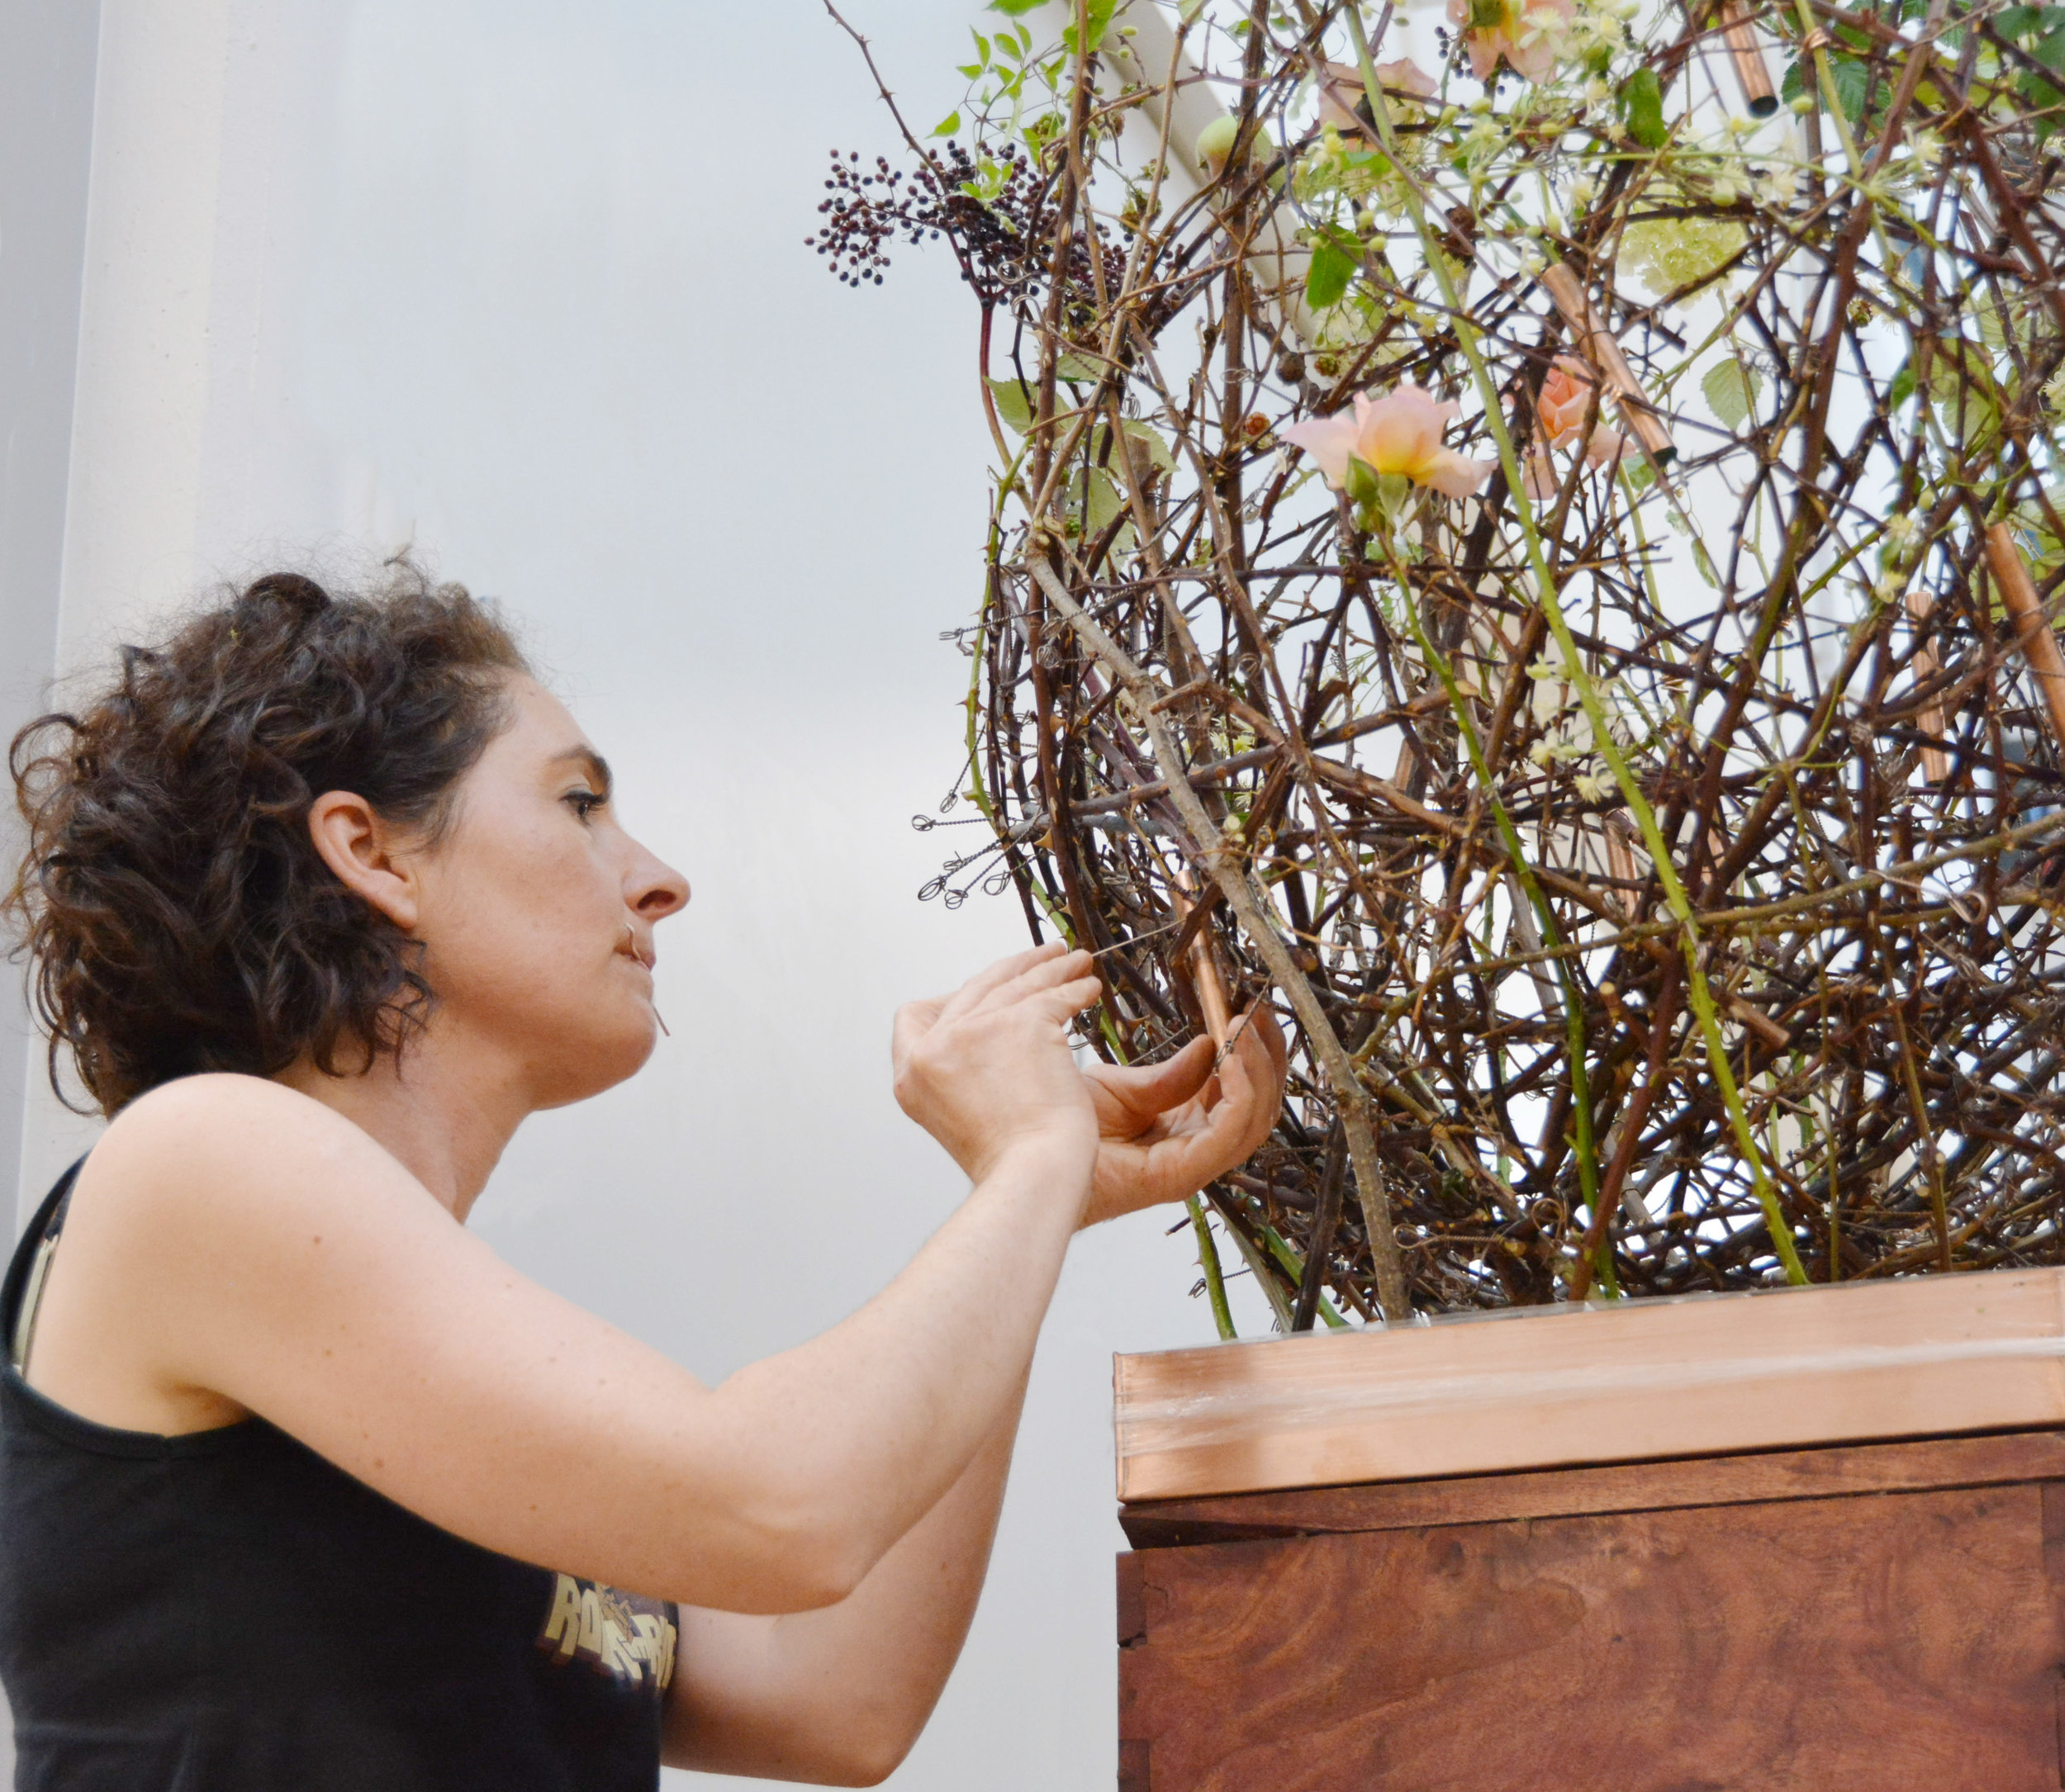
440	1112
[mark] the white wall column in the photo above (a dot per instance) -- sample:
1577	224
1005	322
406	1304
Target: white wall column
47	54
140	409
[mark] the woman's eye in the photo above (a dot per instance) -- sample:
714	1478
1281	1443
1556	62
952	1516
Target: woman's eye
584	803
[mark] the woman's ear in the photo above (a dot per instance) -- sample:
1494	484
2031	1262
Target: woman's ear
365	854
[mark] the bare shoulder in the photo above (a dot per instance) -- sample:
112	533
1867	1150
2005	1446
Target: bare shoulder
227	1162
202	1132
211	1196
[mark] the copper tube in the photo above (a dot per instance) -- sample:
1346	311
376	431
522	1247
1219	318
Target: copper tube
1936	762
1596	343
2033	630
1757	93
1204	974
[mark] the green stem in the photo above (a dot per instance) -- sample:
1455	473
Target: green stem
1294	1267
1675	893
1214	1276
1584	1148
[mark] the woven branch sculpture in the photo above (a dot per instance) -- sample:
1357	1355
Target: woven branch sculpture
1535	562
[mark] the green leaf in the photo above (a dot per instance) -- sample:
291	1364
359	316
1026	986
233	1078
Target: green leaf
1098	12
1013	402
982	46
1327	279
2041	98
970	69
1102	505
1158	449
1641	99
1013	8
1078	370
1966	407
1793	85
1704	561
1903	387
2017	21
947	126
1853	80
1730	390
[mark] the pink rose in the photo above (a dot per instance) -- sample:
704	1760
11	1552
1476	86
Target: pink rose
1401	434
1564	404
1527	33
1342	91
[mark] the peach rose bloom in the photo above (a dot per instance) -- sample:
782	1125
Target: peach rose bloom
1401	434
1565	401
1341	90
1527	33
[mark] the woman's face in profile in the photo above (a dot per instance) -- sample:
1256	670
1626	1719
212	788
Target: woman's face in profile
536	910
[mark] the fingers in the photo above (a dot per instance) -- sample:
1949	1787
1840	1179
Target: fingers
1252	1078
1250	1095
1263	1024
1037	979
972	993
1143	1092
1067	998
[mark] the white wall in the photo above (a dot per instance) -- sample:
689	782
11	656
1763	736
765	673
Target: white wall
524	282
47	51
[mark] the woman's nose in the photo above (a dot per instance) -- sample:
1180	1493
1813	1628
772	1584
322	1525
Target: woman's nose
656	888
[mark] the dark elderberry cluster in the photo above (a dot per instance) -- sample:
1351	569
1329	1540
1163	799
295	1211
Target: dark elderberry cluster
1003	242
860	225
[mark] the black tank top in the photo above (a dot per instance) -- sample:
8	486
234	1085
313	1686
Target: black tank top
226	1611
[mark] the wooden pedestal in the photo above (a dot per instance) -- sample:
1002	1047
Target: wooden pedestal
1881	1616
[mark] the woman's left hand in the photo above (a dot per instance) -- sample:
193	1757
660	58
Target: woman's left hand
1165	1130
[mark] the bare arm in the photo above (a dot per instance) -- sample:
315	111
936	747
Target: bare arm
232	1237
235	1244
837	1697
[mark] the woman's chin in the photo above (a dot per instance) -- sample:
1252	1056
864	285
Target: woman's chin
586	1066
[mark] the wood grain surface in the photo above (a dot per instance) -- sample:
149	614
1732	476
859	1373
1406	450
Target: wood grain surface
1898	1642
1701	1376
1913	1466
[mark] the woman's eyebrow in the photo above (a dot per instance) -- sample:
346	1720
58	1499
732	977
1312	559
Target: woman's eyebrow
596	766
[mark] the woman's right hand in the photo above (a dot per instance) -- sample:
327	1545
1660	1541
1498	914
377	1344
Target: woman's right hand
989	1068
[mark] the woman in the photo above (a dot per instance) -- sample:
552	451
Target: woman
322	899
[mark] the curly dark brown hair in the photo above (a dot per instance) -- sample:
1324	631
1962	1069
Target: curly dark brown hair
175	912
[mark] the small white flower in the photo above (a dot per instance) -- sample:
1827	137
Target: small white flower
1593	786
1542	754
1888	589
1900	529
